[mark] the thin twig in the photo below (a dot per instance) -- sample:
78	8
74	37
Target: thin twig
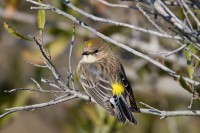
35	65
53	84
191	13
79	95
163	10
176	50
113	5
82	24
186	33
48	7
38	85
148	106
50	65
27	89
150	20
162	31
71	48
35	106
182	46
186	15
191	103
70	56
61	97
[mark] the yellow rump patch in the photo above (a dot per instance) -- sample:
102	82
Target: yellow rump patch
117	89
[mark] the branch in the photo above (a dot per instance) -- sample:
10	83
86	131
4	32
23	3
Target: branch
165	114
27	89
127	48
35	106
191	13
114	5
70	56
161	30
181	27
49	64
69	4
153	111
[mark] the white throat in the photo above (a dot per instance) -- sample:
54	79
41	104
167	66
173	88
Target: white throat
88	59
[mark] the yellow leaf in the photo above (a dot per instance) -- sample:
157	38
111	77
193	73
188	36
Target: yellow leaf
14	32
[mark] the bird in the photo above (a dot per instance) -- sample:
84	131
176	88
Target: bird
103	78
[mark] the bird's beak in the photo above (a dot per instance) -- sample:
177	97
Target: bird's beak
86	53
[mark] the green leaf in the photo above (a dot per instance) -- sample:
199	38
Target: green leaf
14	32
184	84
196	52
189	68
192	63
41	19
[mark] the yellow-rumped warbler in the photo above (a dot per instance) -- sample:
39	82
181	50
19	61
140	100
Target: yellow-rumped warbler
103	77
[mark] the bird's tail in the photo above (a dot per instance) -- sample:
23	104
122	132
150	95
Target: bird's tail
123	112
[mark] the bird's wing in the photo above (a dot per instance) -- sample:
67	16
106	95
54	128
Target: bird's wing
98	87
128	90
120	102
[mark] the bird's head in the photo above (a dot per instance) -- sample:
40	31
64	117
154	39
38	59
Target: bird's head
95	49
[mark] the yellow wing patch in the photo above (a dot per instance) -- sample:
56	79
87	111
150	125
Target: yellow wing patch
117	89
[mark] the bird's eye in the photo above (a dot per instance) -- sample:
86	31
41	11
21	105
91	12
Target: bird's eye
96	51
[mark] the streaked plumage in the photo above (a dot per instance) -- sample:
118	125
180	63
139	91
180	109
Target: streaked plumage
103	78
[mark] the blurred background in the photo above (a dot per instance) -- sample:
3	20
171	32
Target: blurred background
151	85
